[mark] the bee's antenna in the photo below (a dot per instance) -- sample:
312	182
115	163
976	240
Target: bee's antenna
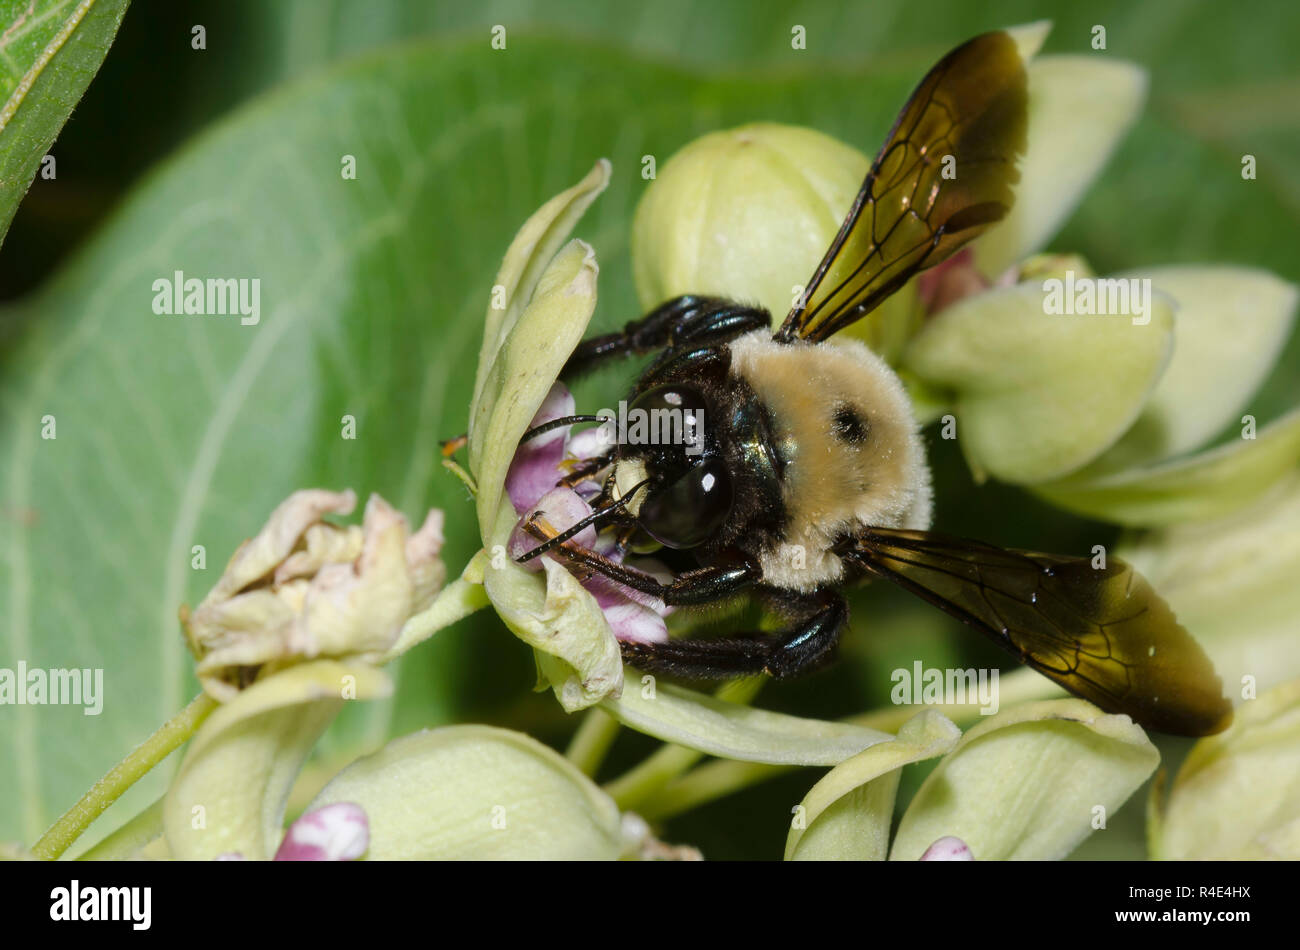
557	424
600	514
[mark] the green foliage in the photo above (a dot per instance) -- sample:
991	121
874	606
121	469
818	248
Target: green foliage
49	51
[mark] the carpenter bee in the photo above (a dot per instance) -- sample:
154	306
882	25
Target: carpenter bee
810	473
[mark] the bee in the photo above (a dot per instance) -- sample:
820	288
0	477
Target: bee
810	473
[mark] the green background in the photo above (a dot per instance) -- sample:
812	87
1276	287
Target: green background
179	431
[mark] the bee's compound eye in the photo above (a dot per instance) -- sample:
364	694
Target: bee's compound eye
687	512
667	415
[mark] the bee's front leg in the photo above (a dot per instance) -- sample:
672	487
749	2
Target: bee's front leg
704	585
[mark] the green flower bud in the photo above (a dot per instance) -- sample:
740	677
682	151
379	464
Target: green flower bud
748	214
477	792
1029	783
745	213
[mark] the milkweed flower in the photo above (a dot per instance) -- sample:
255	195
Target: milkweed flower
531	485
948	848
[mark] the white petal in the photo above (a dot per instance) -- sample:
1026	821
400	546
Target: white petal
1080	107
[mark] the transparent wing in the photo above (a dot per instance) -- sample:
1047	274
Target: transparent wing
1103	634
944	175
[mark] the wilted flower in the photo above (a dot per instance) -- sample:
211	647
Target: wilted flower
305	588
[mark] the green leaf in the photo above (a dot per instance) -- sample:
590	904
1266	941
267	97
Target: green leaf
477	792
1038	395
708	724
847	815
230	792
49	52
1029	783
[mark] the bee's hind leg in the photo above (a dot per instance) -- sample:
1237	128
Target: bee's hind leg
800	649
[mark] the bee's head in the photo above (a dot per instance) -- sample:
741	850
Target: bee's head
689	492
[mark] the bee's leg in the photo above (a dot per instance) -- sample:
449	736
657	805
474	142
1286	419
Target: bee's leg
690	588
585	470
687	320
798	650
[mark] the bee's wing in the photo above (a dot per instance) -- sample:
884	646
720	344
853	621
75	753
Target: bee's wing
1102	633
943	176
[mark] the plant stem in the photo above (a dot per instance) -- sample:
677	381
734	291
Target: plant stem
638	786
723	777
169	736
589	744
130	838
454	602
635	789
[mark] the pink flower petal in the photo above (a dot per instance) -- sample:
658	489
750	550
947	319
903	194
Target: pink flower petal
948	848
944	284
631	621
588	443
560	508
338	832
536	466
531	483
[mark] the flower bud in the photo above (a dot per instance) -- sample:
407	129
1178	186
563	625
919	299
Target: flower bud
748	214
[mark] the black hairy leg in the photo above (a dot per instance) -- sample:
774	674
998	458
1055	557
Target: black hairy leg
703	585
683	321
804	647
